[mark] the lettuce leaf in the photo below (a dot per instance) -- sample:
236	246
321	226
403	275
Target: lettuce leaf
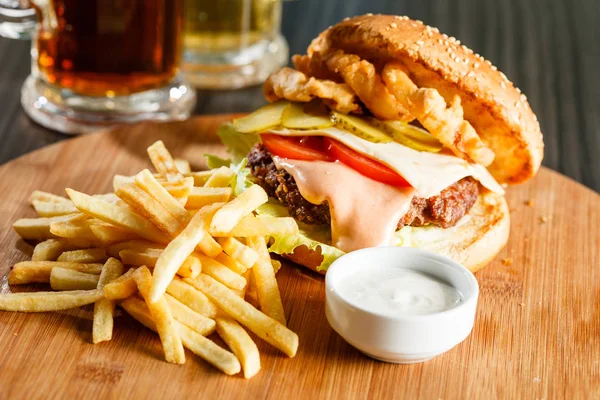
216	161
311	236
238	144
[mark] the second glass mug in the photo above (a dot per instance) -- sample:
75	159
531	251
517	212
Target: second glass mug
102	62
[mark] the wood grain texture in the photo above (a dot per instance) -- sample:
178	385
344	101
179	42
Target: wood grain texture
547	47
536	335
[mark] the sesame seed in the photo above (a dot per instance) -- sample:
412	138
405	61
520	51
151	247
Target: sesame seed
476	65
397	17
458	59
503	85
445	36
393	25
440	41
523	98
346	19
458	42
420	42
419	22
369	14
471	73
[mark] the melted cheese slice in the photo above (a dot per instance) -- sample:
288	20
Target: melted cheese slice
428	173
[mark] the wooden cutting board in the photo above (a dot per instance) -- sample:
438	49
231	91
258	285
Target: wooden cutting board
536	335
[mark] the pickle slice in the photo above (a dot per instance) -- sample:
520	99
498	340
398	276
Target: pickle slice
294	117
264	118
410	135
360	128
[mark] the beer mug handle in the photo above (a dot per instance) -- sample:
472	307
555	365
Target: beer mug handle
18	19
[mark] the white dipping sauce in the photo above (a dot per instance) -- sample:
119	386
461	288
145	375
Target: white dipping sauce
398	291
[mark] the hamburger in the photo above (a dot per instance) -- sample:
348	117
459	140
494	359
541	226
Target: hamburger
387	132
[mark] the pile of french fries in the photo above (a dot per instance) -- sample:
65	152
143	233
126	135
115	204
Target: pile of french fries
175	249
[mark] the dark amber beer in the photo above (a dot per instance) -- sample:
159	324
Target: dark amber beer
109	47
96	63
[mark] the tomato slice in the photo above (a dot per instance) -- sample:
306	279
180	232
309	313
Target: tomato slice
364	165
296	148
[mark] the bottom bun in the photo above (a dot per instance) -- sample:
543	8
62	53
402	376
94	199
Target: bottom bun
473	242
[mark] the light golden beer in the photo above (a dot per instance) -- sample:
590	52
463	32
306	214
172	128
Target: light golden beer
217	26
232	43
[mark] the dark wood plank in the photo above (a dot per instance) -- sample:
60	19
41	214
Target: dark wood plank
547	47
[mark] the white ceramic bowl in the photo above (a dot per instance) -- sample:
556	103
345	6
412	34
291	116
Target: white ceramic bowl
401	339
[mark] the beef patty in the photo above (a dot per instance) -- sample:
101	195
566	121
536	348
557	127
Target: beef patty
444	210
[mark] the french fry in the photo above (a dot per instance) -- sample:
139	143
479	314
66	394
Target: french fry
208	350
208	245
138	309
137	245
39	195
72	230
202	196
48	250
162	317
240	252
241	344
48	301
200	177
122	287
104	309
230	263
39	228
68	279
222	177
120	180
96	255
39	271
262	225
53	208
261	324
178	250
148	183
183	166
192	298
231	213
116	215
251	296
163	161
190	268
198	344
139	258
108	233
108	197
269	297
276	265
190	318
221	273
180	190
149	208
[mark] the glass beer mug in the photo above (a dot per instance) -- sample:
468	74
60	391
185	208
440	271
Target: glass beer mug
100	62
232	43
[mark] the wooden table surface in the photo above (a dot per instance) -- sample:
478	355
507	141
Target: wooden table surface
536	333
549	48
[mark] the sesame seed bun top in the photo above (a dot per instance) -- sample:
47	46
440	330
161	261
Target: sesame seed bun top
497	110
